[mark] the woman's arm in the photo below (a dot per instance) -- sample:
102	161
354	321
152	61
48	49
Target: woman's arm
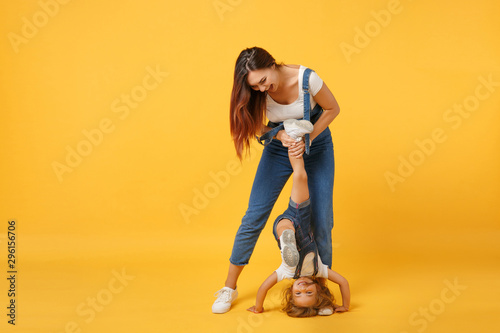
261	294
344	290
331	110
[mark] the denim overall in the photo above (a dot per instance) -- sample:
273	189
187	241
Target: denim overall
273	172
300	215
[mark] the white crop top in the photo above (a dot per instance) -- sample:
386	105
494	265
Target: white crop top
280	112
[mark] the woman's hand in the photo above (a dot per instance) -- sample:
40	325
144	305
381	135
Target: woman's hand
254	309
285	139
295	148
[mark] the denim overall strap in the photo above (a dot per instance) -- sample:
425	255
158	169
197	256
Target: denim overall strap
307	103
269	135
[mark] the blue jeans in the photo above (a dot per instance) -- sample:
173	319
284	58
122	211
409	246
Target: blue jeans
272	174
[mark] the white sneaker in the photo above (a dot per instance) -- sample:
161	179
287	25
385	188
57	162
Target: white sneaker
326	311
296	129
289	253
225	297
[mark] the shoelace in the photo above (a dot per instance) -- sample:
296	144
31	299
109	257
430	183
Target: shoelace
224	295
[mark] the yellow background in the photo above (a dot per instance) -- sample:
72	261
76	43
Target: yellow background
119	211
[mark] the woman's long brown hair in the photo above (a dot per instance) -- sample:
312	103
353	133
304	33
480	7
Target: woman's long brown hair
247	106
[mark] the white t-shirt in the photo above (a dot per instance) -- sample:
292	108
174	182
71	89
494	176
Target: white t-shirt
280	112
287	272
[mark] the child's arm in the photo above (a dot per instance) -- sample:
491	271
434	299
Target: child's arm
261	294
344	290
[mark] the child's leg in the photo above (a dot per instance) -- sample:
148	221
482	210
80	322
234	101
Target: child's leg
284	224
300	189
285	229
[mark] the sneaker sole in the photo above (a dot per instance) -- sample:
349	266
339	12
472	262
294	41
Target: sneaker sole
289	249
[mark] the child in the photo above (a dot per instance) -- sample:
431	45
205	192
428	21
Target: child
308	295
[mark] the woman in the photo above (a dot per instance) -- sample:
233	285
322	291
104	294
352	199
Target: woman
264	88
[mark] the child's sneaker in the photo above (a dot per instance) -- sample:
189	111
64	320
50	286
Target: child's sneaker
225	297
326	311
296	129
289	252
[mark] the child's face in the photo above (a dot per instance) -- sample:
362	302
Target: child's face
304	292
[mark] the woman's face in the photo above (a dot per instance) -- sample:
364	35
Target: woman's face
304	292
264	79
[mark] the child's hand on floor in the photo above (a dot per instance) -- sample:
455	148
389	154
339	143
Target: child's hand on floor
341	309
254	309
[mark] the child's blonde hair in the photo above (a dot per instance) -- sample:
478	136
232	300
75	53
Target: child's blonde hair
324	299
